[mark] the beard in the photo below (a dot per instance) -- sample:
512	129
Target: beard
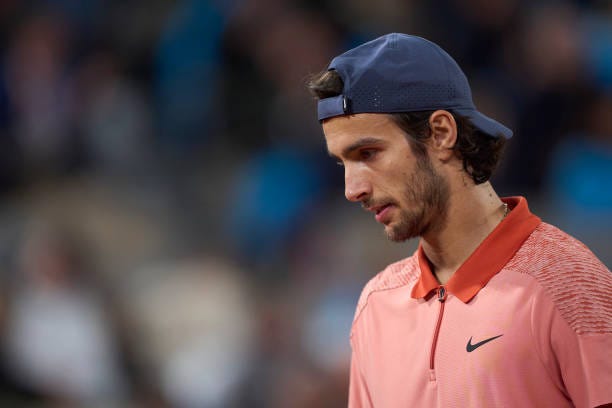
429	193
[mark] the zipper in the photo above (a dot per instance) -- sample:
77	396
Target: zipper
441	298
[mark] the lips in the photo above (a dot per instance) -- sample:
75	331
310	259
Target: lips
382	212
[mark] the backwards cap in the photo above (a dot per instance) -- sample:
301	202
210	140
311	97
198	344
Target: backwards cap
403	73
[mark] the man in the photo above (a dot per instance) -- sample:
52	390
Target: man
495	308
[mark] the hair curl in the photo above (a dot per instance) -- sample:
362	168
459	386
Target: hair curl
479	152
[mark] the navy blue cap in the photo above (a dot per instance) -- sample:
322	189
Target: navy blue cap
403	73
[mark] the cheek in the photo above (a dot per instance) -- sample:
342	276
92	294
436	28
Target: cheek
396	184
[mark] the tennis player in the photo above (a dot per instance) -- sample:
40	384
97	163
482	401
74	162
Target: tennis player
495	308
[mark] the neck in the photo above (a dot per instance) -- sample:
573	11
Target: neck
473	213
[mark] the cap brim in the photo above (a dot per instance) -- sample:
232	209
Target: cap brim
485	124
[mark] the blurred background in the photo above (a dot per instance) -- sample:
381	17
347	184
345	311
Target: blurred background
172	231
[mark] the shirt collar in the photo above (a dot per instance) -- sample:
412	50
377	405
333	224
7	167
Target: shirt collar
487	260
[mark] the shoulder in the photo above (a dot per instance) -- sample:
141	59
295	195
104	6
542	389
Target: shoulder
550	255
571	275
397	274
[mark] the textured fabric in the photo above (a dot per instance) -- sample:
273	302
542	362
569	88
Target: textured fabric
537	332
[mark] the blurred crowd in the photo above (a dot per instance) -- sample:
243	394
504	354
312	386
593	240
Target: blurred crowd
173	232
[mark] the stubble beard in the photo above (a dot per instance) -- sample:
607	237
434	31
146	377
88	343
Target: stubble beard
429	192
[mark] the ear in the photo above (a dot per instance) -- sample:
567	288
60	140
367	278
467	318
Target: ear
443	134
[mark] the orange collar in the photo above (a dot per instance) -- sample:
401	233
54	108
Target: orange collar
487	260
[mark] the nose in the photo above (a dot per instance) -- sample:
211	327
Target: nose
356	186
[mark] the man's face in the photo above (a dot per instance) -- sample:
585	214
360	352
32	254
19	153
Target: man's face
382	172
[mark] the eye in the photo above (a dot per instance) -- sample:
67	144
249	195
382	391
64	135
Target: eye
367	154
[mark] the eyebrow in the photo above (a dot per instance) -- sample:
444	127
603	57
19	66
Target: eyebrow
366	141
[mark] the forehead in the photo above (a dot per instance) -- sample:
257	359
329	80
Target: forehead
342	130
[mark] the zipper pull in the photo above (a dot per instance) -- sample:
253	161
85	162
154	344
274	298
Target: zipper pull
441	294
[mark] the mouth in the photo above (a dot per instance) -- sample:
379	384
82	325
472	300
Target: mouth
381	212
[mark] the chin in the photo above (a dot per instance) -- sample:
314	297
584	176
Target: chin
398	234
400	238
403	231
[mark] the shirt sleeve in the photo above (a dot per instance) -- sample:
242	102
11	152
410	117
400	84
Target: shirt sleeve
585	362
580	356
359	396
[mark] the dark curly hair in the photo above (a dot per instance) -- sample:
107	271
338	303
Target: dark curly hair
479	152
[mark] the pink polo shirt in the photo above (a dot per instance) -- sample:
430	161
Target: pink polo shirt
526	321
